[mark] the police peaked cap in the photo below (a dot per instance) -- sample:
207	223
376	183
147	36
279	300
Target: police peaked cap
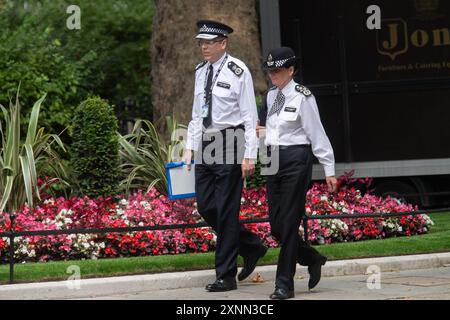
283	57
208	29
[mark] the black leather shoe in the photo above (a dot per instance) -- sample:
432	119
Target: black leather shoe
250	263
315	271
282	294
221	285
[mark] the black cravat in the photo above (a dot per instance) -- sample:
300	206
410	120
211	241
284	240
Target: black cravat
208	91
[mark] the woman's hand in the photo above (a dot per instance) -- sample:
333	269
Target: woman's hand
332	183
260	131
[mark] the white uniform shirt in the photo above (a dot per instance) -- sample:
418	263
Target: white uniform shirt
233	104
299	123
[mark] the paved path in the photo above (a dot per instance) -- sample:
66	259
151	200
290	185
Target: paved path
424	276
433	283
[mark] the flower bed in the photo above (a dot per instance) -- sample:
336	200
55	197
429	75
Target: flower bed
154	209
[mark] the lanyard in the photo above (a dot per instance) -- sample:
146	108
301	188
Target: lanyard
206	94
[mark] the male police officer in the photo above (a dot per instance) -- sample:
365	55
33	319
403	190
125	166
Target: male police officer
223	115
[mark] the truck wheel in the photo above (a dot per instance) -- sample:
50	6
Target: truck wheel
397	190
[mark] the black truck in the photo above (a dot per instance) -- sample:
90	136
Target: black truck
383	93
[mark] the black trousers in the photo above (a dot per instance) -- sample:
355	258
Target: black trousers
287	195
218	188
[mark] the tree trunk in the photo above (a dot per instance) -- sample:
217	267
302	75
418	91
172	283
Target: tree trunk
175	53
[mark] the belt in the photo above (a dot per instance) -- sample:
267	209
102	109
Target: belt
294	146
241	126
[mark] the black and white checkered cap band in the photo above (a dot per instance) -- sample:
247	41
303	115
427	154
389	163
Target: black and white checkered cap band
206	29
279	63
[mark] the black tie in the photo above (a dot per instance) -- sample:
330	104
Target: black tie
207	121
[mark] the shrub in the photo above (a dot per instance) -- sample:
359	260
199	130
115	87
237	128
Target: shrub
95	148
144	154
24	161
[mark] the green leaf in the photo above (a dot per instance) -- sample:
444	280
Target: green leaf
32	127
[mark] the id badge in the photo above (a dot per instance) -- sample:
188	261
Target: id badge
205	111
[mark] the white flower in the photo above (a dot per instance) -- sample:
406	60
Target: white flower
65	212
145	204
323	198
123	202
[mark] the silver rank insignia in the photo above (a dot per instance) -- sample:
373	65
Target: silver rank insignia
303	89
235	68
200	65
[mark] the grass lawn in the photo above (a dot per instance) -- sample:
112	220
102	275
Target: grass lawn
438	240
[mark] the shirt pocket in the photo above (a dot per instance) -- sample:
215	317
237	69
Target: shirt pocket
289	113
224	94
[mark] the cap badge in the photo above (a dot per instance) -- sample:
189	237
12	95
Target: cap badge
270	60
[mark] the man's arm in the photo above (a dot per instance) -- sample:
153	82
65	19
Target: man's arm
249	114
194	134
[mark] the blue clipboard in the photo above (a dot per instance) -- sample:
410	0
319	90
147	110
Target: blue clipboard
181	181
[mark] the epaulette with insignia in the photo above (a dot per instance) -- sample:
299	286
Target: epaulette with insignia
303	89
200	65
235	68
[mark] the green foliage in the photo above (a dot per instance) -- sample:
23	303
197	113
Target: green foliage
108	56
95	148
144	154
23	162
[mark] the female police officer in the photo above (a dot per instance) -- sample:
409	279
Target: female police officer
293	130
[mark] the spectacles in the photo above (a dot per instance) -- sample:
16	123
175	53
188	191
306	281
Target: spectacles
208	43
